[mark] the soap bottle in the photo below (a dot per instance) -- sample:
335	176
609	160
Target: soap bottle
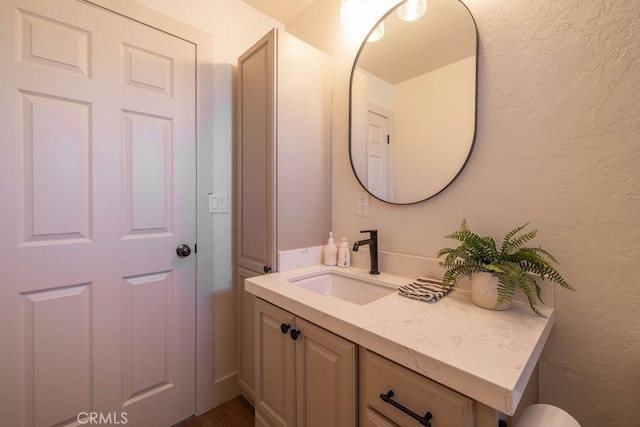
330	252
344	253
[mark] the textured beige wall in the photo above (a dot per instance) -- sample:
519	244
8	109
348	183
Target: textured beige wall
558	145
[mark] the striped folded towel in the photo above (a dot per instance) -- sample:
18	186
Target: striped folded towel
424	289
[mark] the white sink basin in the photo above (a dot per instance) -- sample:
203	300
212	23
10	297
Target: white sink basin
346	288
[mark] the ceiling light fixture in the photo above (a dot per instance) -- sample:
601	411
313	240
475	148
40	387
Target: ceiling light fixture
377	34
412	10
363	14
351	13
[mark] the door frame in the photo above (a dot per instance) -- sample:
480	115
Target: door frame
203	43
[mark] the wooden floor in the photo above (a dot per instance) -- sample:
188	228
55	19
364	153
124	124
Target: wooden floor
234	413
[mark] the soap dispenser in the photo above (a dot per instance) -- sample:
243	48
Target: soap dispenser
344	253
330	252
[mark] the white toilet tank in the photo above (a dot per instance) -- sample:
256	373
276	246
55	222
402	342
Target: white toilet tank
542	415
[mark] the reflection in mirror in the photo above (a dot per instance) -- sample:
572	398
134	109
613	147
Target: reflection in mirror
413	104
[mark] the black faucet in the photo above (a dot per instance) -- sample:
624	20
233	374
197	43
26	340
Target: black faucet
373	249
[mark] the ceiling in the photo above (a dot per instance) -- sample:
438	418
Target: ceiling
281	10
444	35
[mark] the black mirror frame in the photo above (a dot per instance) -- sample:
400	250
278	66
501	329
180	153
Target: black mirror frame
475	116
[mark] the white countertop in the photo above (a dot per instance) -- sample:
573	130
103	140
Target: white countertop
486	355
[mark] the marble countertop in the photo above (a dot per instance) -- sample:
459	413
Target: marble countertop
486	355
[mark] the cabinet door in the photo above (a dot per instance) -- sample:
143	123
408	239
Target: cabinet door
246	338
275	366
325	378
256	205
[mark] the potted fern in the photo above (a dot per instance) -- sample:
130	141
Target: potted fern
495	272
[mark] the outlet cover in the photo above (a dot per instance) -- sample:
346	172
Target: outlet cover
362	203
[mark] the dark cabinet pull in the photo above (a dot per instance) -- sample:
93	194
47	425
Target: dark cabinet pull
295	334
285	328
266	269
425	421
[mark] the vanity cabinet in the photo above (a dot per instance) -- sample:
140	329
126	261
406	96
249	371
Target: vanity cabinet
414	351
283	170
305	375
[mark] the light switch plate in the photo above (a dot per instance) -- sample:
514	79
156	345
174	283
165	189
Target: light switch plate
218	203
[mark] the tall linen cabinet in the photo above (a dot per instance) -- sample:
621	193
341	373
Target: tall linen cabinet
283	166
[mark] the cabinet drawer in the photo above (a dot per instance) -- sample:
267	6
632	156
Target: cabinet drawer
371	418
411	390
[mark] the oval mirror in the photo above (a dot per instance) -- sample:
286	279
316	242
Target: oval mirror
412	111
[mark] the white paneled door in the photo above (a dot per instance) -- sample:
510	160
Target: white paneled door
378	155
97	190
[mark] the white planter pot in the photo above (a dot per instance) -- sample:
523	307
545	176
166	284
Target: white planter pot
484	291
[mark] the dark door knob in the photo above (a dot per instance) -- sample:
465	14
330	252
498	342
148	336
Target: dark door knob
266	269
295	334
183	250
284	328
